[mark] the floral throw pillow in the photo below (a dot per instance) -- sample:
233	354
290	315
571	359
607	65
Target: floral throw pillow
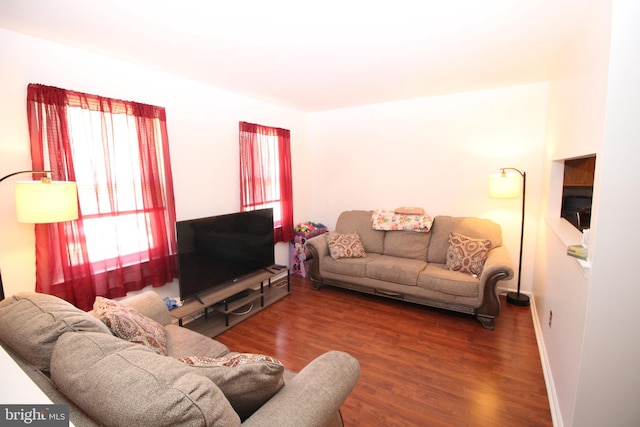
467	255
128	324
345	245
390	220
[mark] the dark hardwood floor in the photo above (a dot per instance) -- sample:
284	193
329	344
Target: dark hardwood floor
419	366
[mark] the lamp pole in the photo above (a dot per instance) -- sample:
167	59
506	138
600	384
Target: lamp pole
516	298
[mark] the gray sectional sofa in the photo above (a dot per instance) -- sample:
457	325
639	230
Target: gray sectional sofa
412	266
76	359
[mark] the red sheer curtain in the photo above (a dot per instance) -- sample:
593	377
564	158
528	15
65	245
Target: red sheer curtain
118	153
265	175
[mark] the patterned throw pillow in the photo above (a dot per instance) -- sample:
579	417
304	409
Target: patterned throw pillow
345	245
230	361
467	255
128	324
247	380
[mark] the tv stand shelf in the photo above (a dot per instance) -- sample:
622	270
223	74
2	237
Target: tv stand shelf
217	310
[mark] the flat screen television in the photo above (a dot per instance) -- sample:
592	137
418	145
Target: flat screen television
219	250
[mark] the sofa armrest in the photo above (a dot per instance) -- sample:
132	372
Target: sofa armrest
318	245
319	249
498	260
313	396
150	304
497	267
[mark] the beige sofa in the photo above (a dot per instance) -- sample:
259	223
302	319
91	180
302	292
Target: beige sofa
412	266
77	360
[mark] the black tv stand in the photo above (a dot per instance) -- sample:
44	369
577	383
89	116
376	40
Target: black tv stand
237	296
275	269
197	297
221	305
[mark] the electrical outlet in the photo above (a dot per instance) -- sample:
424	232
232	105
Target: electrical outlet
550	317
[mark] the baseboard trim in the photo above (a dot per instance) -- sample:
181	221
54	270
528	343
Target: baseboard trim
556	417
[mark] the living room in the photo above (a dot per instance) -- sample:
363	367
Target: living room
432	151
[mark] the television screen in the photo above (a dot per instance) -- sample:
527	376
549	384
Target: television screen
220	249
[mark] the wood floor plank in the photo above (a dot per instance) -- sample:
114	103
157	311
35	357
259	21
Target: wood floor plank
419	366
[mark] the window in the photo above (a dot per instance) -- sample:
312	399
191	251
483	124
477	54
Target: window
577	191
117	152
265	175
114	222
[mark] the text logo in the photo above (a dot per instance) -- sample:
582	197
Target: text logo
54	415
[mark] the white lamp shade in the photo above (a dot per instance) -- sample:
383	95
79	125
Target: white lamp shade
40	202
504	186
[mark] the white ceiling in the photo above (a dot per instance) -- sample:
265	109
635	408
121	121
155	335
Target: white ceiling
317	55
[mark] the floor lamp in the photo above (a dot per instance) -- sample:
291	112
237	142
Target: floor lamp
507	186
43	201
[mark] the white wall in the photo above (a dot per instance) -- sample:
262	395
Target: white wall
432	152
609	380
576	128
436	153
202	123
592	347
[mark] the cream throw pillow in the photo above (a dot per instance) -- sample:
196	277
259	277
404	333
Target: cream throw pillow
409	210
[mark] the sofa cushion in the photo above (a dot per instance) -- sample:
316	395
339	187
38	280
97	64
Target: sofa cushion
355	267
31	323
346	245
149	304
184	342
77	416
475	228
407	244
403	271
438	278
467	255
120	383
360	222
127	323
247	380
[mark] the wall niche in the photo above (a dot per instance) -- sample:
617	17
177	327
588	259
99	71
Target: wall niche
577	191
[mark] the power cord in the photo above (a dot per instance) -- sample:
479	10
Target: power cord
237	313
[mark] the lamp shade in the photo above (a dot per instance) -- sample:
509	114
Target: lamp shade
40	202
504	185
